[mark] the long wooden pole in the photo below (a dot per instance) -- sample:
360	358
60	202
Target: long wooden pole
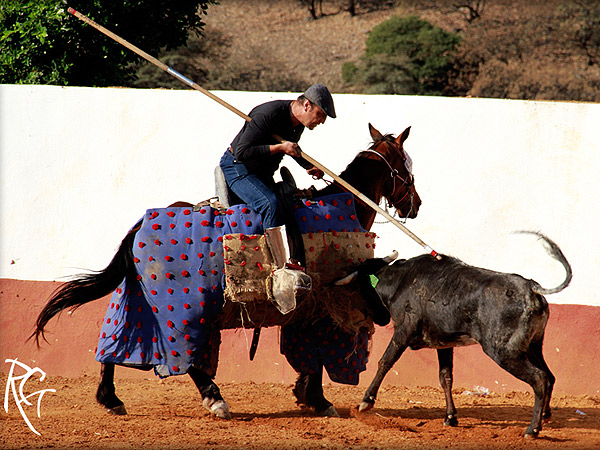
311	160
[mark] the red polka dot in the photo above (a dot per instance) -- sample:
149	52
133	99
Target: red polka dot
172	226
205	223
170	291
186	290
245	210
171	339
188	240
154	339
140	340
175	369
157	355
219	224
174	353
185	322
155	226
183	257
186	212
141	245
168	258
233	224
174	241
186	305
154	309
125	338
190	352
187	337
153	292
248	223
170	324
171	214
142	355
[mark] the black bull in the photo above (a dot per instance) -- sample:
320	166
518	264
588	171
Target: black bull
445	304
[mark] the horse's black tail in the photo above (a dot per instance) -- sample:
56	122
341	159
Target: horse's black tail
85	288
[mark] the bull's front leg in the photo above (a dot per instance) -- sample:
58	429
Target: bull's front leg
392	353
445	360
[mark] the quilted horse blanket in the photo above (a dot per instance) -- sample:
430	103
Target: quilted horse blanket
165	318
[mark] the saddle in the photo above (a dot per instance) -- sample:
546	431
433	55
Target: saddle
285	190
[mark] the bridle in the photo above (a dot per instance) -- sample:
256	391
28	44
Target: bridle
395	175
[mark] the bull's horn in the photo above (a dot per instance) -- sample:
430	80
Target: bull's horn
391	257
347	279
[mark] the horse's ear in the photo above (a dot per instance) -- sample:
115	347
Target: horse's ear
375	135
400	139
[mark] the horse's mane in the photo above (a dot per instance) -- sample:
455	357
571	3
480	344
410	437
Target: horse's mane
356	169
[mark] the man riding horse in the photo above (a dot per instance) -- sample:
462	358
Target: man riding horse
256	152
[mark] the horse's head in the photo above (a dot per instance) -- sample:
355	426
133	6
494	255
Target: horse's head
399	183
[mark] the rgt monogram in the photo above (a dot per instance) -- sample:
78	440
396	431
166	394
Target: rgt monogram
18	395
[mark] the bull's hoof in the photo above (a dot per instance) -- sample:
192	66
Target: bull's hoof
219	408
451	421
532	434
117	410
365	406
329	412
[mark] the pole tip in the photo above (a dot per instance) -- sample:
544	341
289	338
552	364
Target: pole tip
71	10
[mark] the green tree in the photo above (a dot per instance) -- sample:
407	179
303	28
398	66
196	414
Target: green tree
41	43
404	55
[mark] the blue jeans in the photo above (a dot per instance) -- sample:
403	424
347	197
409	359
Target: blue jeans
252	191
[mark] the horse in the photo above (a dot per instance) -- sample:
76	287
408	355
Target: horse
382	171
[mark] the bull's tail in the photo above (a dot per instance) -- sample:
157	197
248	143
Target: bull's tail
88	287
557	254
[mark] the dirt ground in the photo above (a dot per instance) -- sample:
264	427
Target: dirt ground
167	414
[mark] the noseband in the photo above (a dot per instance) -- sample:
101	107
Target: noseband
395	175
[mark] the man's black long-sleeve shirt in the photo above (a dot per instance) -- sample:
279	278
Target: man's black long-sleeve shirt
251	145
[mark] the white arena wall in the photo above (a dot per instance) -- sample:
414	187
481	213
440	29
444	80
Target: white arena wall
79	166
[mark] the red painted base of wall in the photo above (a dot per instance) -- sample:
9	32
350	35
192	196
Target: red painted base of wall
571	348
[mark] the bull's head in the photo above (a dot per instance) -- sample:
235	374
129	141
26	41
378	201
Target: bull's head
366	278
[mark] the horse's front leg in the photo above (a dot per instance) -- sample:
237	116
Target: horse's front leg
309	392
211	395
105	395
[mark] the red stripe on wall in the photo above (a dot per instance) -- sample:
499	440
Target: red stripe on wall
571	348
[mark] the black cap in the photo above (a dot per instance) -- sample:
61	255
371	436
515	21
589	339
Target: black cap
320	96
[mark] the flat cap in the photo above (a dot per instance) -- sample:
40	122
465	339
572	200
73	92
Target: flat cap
320	96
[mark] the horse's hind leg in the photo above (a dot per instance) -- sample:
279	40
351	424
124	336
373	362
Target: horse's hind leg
211	395
105	395
309	391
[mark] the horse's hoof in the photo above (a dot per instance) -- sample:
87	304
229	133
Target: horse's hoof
329	412
364	406
117	410
219	408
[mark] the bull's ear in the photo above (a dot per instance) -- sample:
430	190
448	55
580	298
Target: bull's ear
347	279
